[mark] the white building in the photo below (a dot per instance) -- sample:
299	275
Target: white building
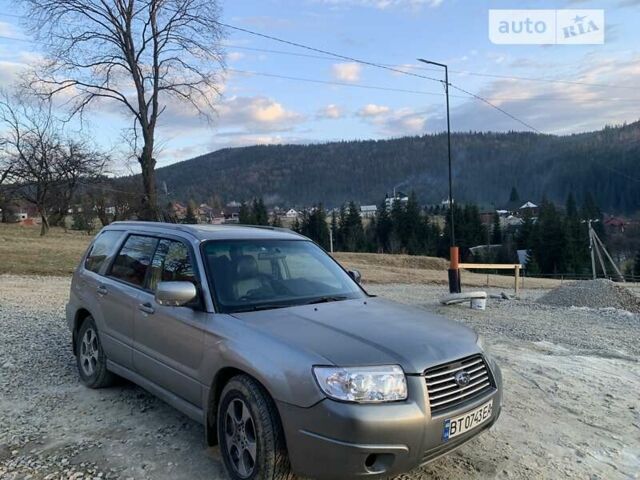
399	197
291	213
368	211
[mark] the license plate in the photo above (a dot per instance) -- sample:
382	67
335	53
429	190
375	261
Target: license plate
458	425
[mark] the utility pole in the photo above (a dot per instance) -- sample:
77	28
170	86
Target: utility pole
596	244
591	247
454	254
331	240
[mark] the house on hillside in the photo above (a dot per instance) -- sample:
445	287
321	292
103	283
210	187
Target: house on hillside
615	224
291	213
397	196
177	210
231	212
368	211
529	207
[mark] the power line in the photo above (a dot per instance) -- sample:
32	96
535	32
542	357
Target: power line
402	90
461	72
326	52
340	84
484	100
377	65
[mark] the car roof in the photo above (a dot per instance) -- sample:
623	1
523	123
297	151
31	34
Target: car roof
212	232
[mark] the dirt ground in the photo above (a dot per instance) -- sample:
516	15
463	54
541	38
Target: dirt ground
572	401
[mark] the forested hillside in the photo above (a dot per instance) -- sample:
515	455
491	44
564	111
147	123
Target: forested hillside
486	166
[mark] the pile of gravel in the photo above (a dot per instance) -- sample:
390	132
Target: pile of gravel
599	293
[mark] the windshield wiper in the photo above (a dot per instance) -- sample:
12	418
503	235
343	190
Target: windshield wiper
326	299
255	308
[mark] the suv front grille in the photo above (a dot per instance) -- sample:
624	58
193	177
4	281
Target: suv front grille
444	391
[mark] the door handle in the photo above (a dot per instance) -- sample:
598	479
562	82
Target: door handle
146	308
102	290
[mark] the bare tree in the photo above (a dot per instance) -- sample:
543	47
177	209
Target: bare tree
113	202
45	165
139	53
5	168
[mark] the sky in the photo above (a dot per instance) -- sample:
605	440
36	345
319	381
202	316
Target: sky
556	89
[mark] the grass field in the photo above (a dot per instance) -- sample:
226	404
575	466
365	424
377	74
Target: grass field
24	252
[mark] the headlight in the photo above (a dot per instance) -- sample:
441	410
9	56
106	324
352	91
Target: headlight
384	383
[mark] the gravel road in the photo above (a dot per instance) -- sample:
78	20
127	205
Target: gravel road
572	401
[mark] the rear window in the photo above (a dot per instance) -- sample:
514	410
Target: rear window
102	247
133	260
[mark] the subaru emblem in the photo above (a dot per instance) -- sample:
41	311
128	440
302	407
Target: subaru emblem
462	378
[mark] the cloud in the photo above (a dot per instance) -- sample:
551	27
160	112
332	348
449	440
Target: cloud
259	112
235	56
347	72
331	111
393	122
372	110
560	108
8	30
385	4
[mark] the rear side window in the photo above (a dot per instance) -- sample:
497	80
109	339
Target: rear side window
101	249
133	260
171	263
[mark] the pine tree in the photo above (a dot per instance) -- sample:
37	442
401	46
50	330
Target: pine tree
527	232
353	231
411	225
335	230
276	221
245	216
339	240
550	242
396	242
384	227
591	211
191	216
577	252
496	230
314	225
259	212
514	196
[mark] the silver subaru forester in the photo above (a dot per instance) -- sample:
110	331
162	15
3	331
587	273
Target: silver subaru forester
288	363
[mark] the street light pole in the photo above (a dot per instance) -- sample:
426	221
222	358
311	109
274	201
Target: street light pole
454	270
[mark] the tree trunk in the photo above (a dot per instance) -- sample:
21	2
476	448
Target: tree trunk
44	227
149	210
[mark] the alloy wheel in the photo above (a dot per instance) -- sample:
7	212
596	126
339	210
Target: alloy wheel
89	352
240	438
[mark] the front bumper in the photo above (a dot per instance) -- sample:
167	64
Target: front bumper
334	440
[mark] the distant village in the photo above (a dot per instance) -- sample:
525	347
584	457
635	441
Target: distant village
511	214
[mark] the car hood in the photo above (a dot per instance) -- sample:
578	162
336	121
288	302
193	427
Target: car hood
367	332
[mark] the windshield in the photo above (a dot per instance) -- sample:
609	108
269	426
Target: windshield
251	275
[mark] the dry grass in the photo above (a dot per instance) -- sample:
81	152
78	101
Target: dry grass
24	252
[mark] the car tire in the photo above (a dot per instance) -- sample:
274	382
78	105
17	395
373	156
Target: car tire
90	357
250	435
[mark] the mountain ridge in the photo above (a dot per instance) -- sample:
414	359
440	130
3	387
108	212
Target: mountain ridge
486	165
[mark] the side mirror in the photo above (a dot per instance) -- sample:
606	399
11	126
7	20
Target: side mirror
355	274
175	294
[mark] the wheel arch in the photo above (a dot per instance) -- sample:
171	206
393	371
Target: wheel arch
221	378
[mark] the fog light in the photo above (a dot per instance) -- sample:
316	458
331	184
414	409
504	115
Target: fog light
370	460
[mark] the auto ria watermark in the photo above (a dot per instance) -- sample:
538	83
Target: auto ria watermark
546	27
